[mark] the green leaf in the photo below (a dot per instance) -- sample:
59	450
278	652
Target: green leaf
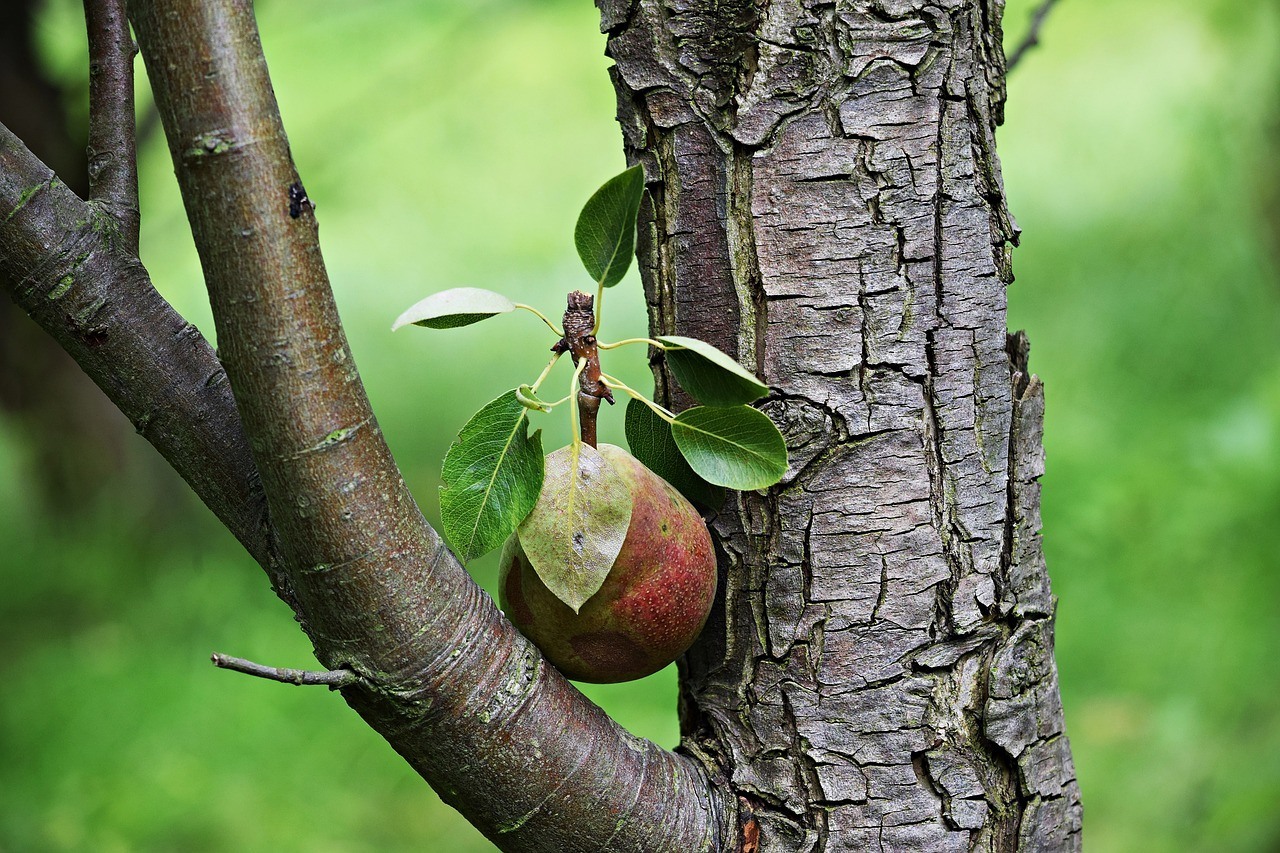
450	309
733	446
577	527
649	438
606	231
525	394
710	376
492	475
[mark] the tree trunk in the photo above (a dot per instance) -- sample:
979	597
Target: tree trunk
827	205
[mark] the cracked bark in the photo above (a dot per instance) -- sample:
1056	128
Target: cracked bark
826	203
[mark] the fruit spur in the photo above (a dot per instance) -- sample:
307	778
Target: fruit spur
607	565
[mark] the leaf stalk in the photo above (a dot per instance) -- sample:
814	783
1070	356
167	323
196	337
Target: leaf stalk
650	341
540	316
615	384
546	370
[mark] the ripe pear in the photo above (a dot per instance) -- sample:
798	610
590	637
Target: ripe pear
653	602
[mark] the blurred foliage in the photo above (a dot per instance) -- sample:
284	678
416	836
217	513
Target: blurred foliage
1139	159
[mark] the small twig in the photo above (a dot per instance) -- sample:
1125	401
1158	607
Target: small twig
332	678
1032	38
113	157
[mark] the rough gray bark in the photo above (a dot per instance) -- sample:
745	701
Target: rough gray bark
827	204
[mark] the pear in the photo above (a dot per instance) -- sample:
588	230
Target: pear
652	604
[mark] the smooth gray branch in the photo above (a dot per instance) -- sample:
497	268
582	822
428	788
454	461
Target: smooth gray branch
334	679
113	162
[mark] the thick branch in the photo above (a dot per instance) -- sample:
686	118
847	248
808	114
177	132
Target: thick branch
445	678
98	303
113	165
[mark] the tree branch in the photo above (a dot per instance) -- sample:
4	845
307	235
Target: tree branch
113	164
1032	38
445	678
96	300
331	678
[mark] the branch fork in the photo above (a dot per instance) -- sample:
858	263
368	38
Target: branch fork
113	164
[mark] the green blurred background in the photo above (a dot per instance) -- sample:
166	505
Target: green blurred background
450	142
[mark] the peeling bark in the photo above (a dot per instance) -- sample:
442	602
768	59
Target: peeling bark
826	203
